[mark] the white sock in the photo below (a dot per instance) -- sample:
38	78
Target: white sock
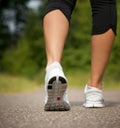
52	66
87	88
54	69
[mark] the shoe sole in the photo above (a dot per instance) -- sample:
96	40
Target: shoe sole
56	89
93	105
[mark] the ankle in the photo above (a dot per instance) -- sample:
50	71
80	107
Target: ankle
54	70
52	62
53	65
95	84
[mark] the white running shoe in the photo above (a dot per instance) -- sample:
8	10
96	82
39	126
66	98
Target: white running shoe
55	89
93	97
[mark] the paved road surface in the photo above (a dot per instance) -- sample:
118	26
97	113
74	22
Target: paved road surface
26	111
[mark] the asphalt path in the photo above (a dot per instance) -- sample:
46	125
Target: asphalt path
26	110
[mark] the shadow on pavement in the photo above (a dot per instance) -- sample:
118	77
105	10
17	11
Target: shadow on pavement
107	104
76	103
112	104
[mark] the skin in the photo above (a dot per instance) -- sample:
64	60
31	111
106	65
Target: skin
101	47
56	27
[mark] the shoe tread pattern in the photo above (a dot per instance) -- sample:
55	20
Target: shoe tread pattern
56	89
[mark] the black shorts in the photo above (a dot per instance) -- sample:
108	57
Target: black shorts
104	13
104	16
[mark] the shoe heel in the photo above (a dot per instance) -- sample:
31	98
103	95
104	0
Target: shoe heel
56	90
63	81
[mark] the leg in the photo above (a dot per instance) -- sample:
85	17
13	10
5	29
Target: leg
55	30
103	37
102	41
56	26
101	49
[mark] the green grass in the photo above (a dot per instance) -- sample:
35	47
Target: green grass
77	79
13	84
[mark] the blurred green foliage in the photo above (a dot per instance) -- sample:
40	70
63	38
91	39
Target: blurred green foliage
15	84
29	55
28	58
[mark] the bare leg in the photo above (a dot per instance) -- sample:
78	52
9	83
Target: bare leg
101	49
56	28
